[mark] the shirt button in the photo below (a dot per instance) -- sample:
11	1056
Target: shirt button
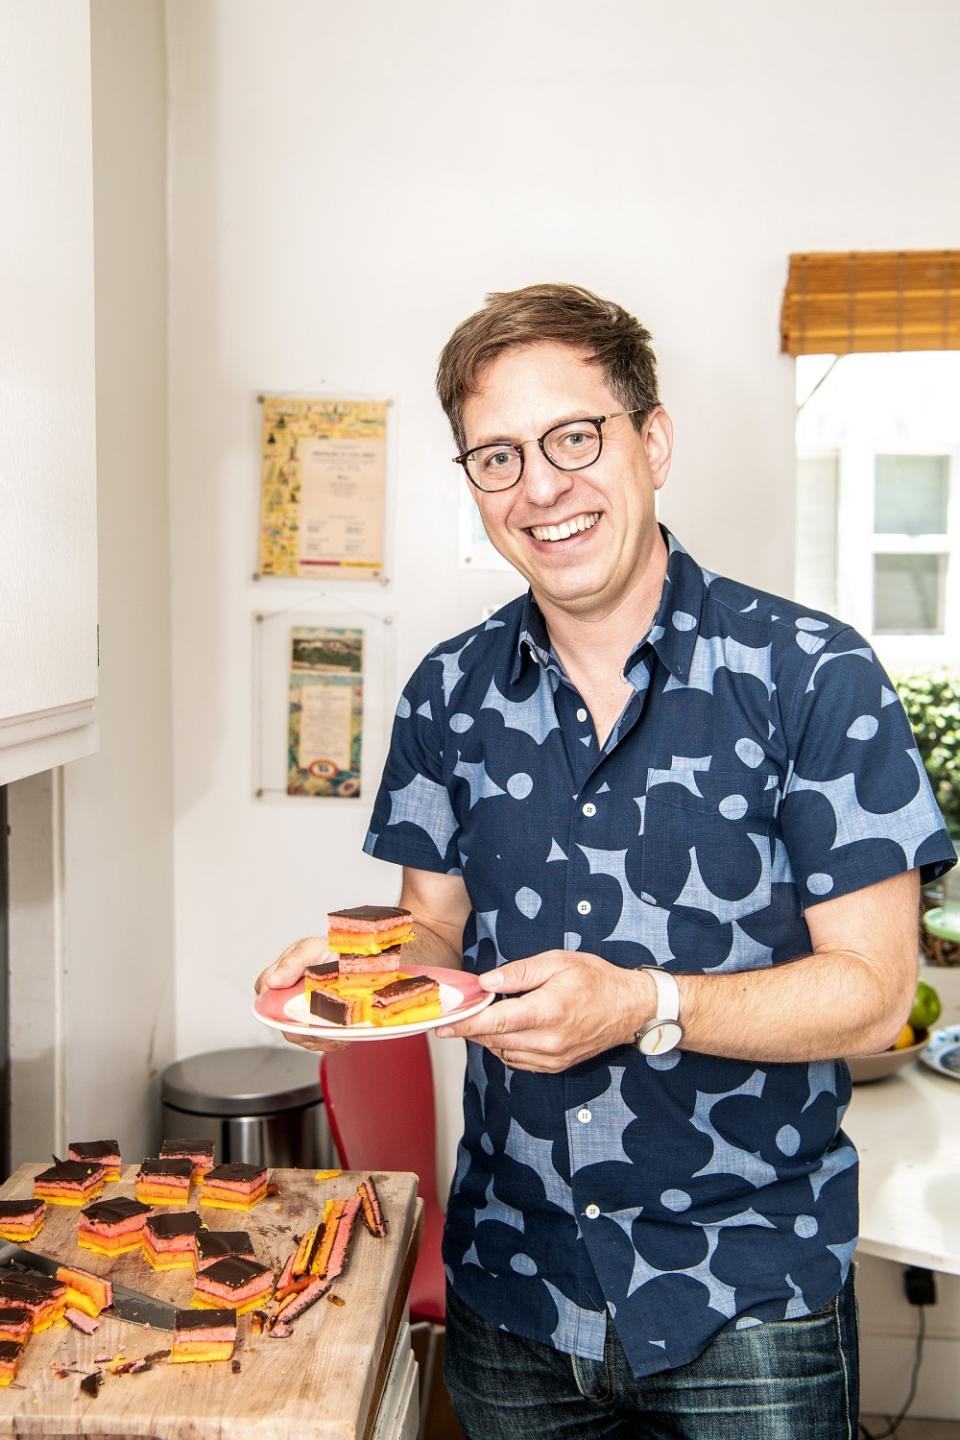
584	1116
581	714
589	808
592	1211
583	907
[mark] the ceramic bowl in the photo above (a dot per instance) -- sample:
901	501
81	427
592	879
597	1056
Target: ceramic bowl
887	1062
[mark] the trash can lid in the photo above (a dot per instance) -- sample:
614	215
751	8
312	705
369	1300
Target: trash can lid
249	1081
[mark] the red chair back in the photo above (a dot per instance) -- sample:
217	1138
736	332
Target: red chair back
379	1102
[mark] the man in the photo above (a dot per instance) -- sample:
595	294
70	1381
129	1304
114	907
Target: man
679	825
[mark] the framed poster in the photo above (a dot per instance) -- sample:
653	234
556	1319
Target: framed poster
325	711
322	488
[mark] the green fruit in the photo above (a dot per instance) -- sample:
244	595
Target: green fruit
926	1007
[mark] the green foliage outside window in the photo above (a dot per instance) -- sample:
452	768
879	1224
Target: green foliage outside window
931	699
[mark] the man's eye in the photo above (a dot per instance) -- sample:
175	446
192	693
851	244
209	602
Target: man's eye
575	439
497	459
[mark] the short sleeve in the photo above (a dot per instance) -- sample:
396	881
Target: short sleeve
857	804
413	822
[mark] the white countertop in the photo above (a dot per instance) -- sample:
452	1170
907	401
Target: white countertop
907	1130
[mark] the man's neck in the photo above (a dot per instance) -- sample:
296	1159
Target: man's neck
598	645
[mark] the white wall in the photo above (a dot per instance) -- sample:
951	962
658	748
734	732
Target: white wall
347	182
118	805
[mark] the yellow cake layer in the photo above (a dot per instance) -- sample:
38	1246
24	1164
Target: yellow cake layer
8	1376
148	1196
202	1301
168	1259
8	1232
411	1015
186	1350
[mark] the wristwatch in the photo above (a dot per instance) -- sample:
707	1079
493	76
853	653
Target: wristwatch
664	1031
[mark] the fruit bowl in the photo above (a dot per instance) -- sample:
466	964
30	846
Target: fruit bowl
886	1062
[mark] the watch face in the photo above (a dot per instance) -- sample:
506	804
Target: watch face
659	1037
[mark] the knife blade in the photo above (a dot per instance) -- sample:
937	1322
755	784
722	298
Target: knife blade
128	1304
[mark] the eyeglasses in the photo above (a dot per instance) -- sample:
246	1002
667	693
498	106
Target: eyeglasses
571	446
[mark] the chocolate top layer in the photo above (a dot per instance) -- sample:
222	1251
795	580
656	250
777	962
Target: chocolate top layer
70	1172
10	1349
216	1244
111	1212
204	1319
187	1147
175	1169
329	967
370	912
13	1209
31	1287
234	1271
237	1171
11	1315
91	1149
167	1227
400	989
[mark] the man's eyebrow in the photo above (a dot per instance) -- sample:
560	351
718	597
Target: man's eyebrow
502	439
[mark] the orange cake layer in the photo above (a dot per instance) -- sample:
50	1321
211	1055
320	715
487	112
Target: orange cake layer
167	1195
168	1259
358	942
411	1015
20	1233
101	1246
229	1199
57	1197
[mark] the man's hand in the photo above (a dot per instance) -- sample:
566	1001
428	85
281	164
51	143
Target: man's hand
286	970
569	1006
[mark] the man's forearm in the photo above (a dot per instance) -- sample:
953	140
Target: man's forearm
814	1008
431	947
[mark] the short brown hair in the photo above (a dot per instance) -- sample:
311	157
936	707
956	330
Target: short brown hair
565	314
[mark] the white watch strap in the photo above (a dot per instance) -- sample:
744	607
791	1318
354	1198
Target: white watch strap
668	993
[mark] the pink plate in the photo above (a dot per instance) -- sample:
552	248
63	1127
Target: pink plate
460	996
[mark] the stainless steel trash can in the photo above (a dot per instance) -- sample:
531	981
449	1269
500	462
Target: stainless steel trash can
260	1105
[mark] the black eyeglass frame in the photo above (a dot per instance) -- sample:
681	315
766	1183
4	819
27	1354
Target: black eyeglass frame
597	420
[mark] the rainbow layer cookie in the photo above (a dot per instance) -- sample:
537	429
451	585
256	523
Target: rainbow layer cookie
85	1291
16	1323
233	1187
112	1227
11	1353
406	1001
69	1182
203	1335
164	1182
373	1216
368	929
100	1152
41	1295
336	1009
213	1245
199	1151
242	1284
319	977
170	1240
21	1220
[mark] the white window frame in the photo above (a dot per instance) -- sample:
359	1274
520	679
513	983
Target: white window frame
858	544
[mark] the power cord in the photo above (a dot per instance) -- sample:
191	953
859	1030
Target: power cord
894	1428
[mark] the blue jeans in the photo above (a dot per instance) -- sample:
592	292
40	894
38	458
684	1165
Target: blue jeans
784	1380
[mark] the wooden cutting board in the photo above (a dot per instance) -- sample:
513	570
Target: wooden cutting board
324	1381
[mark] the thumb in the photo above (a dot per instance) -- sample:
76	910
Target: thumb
289	967
521	975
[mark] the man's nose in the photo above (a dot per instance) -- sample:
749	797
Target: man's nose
544	482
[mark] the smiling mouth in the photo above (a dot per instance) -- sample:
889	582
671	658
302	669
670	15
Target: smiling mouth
566	529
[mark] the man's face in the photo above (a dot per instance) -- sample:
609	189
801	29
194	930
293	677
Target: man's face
523	393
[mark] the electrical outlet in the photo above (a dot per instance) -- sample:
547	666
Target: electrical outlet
919	1285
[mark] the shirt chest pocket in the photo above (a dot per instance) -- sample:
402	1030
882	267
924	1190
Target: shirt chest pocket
709	853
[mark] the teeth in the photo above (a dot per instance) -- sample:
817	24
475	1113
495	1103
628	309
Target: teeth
566	529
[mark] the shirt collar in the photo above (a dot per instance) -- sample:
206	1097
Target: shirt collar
673	634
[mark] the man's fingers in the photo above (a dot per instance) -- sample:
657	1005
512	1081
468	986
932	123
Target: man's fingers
497	1020
522	974
289	967
306	1043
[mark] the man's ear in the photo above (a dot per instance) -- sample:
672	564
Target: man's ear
658	443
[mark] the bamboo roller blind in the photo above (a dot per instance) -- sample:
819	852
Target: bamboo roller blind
839	304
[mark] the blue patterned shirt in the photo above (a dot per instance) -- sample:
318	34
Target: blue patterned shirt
762	764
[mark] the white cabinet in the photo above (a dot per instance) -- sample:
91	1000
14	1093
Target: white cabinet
48	560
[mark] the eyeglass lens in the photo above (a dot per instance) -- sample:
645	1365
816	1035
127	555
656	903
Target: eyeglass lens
568	447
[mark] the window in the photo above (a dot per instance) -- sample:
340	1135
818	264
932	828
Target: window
878	498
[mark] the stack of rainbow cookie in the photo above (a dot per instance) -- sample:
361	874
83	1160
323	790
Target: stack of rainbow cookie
364	984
